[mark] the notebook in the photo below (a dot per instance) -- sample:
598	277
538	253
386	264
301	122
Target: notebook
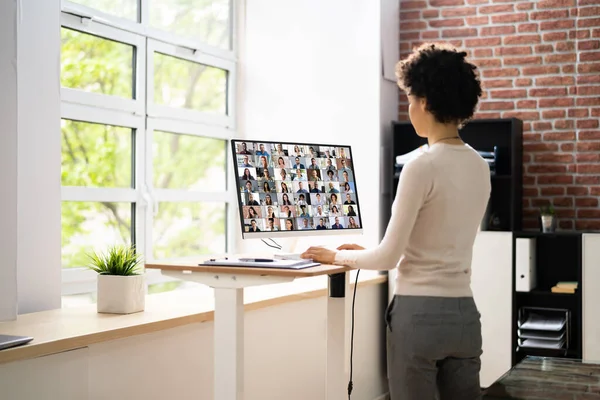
8	341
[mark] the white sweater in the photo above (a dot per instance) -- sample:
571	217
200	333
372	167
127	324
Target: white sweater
440	201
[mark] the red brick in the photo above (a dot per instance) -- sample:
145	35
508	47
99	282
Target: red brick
524	115
477	2
445	3
462	32
408	15
562	201
586	202
523	104
551	114
483	52
588	146
565	46
508	94
542	125
430	34
523	60
588	45
577	190
554	158
587	213
487	115
595	112
429	13
587	180
477	20
523	82
556	102
530	192
412	26
544	48
550	14
554	36
596	32
459	12
589	135
567	146
558	136
564	124
587	225
522	39
516	50
409	35
568	69
497	83
497	105
588	157
404	5
546	169
483	42
531	137
523	28
542	70
588	22
595	191
554	179
525	6
497	30
583	79
488	62
587	124
501	72
588	68
578	113
561	58
504	8
556	25
555	81
553	191
509	18
583	3
548	92
588	101
440	23
555	3
589	56
588	169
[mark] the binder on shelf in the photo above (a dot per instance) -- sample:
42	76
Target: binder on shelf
525	275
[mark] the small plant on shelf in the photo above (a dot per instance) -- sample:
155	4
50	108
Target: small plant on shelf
121	281
548	218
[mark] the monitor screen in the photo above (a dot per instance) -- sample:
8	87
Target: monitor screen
295	189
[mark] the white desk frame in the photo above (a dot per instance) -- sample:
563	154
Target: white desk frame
229	331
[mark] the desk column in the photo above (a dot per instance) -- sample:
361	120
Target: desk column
335	378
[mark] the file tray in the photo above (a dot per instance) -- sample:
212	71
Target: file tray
543	328
260	263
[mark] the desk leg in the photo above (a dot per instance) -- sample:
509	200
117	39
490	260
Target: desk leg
335	380
229	344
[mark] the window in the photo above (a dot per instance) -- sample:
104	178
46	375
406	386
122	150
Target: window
147	110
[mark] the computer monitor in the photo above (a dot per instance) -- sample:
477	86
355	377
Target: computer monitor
295	189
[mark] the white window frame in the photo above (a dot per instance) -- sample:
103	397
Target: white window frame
144	117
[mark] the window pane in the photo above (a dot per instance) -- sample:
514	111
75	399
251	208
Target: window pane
185	84
188	162
96	155
89	226
120	8
206	21
96	65
184	229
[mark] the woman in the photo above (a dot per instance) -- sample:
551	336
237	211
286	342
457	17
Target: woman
266	187
247	176
285	200
263	162
284	188
251	213
270	213
334	212
351	212
434	330
281	162
289	225
352	223
347	188
268	200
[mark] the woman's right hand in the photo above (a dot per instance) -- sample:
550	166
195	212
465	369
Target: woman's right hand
350	247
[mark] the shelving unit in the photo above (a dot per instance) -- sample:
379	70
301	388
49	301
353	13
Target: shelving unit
558	258
501	136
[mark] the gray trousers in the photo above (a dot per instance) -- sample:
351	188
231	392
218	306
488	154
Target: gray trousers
433	348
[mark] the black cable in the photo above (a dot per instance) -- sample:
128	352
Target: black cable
278	247
350	385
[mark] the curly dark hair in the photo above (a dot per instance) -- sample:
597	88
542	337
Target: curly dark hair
440	74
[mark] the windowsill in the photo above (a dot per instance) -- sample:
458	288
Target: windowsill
65	329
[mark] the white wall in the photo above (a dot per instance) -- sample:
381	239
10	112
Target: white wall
310	71
8	160
39	160
283	360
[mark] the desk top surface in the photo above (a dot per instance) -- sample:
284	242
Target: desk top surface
323	269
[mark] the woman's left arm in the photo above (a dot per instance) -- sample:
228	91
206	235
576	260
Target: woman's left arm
413	187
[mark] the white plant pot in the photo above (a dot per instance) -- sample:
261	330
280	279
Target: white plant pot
121	294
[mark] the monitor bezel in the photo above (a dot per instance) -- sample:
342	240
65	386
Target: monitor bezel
294	233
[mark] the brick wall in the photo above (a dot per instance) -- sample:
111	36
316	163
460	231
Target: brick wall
539	61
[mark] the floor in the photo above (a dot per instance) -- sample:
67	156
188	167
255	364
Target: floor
539	378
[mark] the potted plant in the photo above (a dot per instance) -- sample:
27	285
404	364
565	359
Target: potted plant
121	283
548	218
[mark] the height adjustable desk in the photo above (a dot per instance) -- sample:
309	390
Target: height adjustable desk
228	284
